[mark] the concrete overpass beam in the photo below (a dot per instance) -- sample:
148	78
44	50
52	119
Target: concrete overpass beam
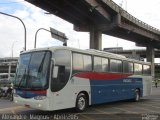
110	26
117	19
95	39
150	54
82	28
98	7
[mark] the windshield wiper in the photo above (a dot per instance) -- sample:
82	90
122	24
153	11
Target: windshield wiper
40	70
22	78
42	62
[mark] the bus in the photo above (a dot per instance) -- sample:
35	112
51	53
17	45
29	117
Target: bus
62	77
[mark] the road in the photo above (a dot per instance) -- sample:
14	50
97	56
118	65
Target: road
148	108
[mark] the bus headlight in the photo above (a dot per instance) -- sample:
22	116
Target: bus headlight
40	97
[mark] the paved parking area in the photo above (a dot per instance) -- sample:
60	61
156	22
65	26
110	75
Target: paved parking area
148	108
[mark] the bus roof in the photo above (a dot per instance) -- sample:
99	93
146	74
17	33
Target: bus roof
89	51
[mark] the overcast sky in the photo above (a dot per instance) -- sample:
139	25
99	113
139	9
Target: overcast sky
12	31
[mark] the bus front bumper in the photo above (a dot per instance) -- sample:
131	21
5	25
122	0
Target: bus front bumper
33	103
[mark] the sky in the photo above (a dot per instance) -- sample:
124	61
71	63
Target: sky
12	31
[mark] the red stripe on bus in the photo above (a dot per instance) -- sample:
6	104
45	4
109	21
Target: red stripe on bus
101	76
40	92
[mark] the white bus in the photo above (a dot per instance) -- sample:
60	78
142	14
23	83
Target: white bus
61	77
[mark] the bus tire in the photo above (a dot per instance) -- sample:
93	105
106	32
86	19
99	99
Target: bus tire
81	102
137	95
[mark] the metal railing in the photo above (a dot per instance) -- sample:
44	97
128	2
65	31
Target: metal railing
129	17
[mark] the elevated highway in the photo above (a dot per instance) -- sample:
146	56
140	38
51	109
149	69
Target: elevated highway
140	53
103	17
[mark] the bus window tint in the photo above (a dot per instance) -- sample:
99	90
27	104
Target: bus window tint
104	64
97	64
146	69
127	67
115	65
81	62
137	68
119	66
77	62
87	63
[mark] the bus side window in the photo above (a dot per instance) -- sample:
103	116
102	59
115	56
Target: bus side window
105	65
61	70
87	60
115	65
78	65
97	64
127	67
81	63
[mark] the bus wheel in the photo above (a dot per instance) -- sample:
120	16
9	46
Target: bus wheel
81	102
137	95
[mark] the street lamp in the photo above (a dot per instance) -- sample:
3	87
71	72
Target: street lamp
13	46
35	42
25	36
55	34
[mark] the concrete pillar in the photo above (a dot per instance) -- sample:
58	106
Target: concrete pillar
150	54
95	39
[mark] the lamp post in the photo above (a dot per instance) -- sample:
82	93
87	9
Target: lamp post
25	36
58	35
13	46
35	42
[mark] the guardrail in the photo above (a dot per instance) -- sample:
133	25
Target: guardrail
129	17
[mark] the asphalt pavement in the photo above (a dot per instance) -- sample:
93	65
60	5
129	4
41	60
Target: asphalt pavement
148	108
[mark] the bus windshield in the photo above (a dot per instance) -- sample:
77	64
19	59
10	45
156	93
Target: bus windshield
32	70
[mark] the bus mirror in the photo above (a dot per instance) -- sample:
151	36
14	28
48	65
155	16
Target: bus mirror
55	71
